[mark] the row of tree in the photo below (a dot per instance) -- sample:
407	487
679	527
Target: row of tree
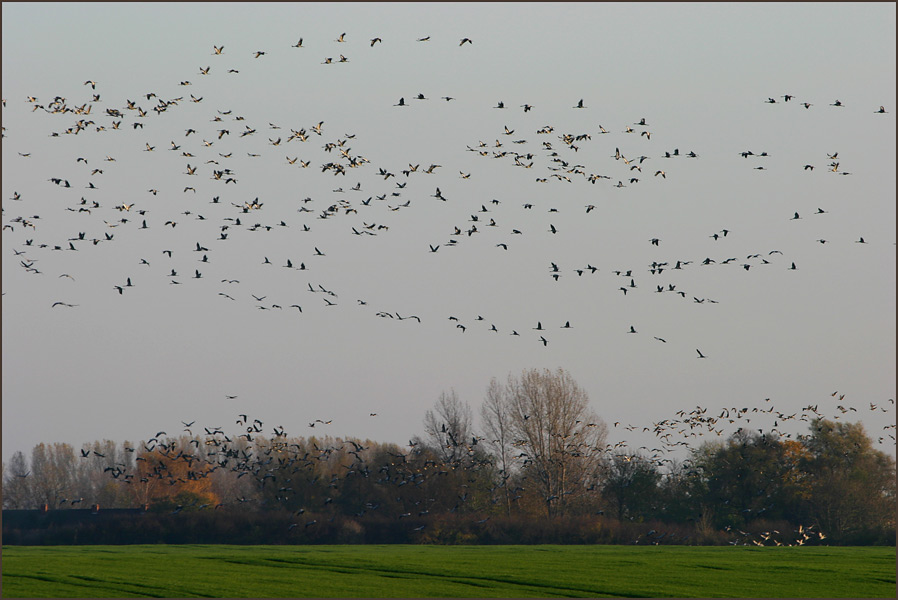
540	455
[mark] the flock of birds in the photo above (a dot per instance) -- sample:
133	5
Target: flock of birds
216	210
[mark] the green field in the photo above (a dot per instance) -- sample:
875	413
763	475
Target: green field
454	571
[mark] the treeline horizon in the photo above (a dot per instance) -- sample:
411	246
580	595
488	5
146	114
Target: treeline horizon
539	470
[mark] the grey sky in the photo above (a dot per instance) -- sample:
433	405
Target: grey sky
126	366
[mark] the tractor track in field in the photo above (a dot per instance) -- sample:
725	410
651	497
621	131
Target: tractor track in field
475	581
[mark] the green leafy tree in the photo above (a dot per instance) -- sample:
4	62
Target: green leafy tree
747	478
852	488
630	486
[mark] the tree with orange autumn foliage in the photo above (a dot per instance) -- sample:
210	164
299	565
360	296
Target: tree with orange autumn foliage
163	477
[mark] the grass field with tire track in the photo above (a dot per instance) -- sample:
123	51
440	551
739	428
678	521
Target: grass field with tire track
449	571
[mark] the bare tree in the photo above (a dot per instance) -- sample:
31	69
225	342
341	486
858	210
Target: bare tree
100	473
562	438
448	428
17	483
53	469
495	414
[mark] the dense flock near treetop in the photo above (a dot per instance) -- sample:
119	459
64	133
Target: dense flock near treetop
541	455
